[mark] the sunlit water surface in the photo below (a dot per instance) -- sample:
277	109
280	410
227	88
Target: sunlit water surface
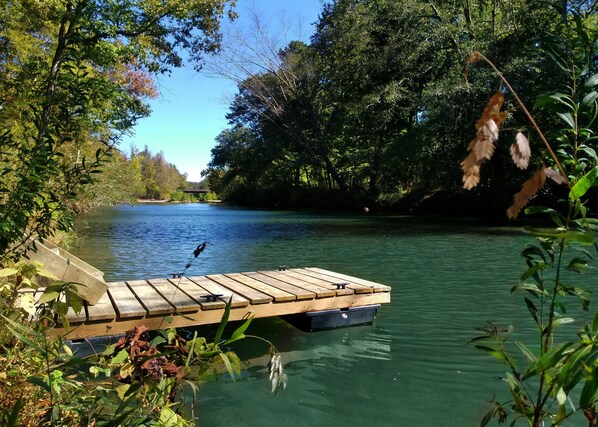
412	367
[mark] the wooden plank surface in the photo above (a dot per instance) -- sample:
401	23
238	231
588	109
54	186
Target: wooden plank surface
323	278
153	302
258	294
102	310
321	292
253	295
214	288
300	293
276	293
377	287
174	295
349	290
197	293
124	301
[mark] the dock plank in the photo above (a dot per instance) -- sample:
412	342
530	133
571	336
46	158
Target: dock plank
197	293
174	296
124	301
151	299
253	295
321	292
323	278
214	288
349	290
258	294
299	293
377	287
278	294
102	310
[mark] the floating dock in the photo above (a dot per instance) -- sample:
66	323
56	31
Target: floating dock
193	301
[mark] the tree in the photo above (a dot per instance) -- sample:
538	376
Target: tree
74	74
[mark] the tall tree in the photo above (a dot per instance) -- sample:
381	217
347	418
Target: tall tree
75	73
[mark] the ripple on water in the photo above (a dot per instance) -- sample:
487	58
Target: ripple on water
413	367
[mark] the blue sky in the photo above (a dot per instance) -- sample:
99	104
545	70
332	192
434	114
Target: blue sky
191	109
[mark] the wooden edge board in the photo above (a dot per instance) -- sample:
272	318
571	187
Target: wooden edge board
151	299
254	296
214	288
377	287
320	291
299	292
174	296
278	294
213	316
349	290
124	301
196	293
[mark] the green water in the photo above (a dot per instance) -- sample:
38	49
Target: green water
411	368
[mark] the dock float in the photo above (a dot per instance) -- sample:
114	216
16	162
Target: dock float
193	301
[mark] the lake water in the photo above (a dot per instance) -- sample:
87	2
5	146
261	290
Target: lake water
412	367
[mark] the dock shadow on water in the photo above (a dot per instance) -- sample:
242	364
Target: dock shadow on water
412	367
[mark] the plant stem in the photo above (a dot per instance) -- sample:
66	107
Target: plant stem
529	116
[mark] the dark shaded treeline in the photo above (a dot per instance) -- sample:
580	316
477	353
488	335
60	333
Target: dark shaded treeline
376	110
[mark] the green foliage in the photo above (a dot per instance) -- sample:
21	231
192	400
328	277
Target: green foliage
136	381
74	76
376	101
555	376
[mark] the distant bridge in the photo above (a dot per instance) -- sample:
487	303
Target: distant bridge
190	191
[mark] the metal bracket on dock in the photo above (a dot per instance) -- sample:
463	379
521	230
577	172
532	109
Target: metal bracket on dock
212	297
342	285
177	275
282	268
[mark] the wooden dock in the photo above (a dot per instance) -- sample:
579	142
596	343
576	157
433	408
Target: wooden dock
192	301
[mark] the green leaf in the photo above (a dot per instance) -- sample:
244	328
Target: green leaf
76	302
584	184
590	98
578	265
533	270
5	272
562	321
567	118
239	333
555	102
228	365
488	417
592	81
577	236
532	309
493	352
529	287
39	382
551	358
589	391
532	210
526	352
13	418
223	321
47	296
120	357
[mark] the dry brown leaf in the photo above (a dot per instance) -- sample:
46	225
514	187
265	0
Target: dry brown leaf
483	150
492	111
554	175
471	171
520	151
528	190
